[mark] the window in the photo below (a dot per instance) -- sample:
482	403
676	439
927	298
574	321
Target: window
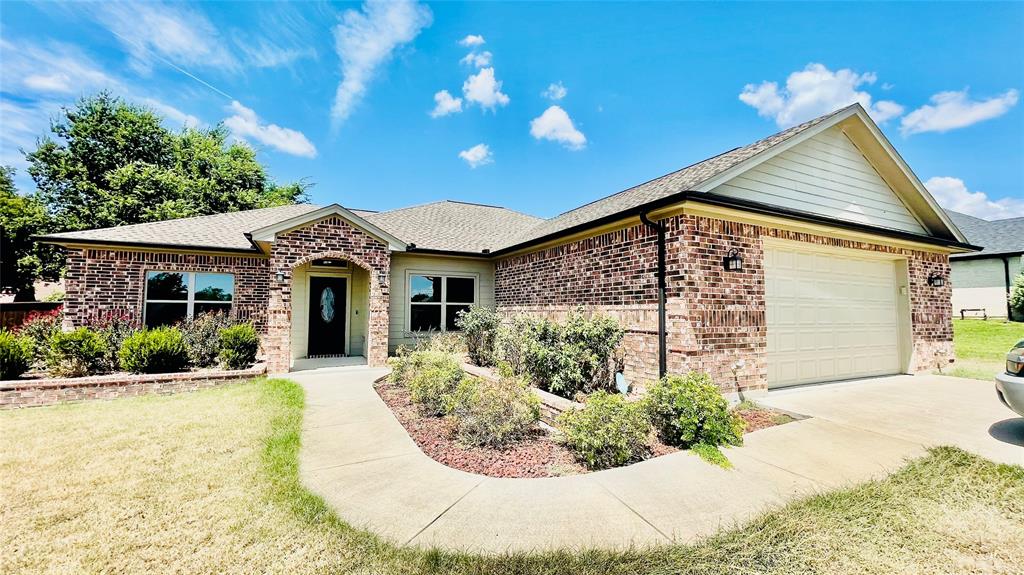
436	300
174	296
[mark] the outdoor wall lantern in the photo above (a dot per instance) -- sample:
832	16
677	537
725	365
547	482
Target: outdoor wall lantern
280	276
936	280
733	262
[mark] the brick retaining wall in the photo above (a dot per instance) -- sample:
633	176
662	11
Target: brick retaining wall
38	392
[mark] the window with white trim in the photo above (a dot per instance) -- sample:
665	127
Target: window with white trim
435	300
174	296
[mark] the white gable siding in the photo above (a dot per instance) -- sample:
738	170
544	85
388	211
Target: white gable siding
825	175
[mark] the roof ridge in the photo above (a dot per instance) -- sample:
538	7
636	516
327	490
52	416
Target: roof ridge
186	218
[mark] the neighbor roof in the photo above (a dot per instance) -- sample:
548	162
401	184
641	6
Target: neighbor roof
997	237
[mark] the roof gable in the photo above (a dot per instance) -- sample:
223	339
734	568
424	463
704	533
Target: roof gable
267	234
827	175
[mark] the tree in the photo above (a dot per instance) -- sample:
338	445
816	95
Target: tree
21	259
111	163
1017	297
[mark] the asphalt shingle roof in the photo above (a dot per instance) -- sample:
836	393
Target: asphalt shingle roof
996	236
445	225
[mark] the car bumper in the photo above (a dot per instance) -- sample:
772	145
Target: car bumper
1010	390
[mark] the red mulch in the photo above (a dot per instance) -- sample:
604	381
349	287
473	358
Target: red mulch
536	456
761	418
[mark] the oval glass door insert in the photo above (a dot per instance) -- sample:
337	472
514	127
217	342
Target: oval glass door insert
327	305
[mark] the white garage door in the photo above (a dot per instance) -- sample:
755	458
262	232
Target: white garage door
830	317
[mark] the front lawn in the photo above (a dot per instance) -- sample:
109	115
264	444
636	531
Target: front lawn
207	482
981	346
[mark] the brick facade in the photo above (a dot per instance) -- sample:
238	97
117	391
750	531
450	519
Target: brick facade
101	282
331	237
714	318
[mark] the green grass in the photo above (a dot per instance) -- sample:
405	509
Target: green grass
208	482
981	346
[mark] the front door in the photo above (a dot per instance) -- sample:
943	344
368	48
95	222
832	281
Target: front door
327	316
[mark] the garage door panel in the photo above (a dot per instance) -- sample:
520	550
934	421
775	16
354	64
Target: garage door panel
829	317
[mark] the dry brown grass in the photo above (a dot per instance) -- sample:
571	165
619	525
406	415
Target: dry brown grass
207	482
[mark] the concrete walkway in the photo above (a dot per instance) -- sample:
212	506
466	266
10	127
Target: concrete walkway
359	458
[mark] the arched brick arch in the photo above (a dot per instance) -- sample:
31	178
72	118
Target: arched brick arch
331	237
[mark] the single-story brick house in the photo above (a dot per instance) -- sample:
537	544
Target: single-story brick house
982	280
812	255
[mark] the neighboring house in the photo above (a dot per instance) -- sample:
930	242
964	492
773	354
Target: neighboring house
811	255
982	280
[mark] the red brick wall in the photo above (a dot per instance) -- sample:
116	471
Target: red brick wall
714	317
331	237
99	282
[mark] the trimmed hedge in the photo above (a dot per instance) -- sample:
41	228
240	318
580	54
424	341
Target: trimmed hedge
608	432
76	353
239	345
159	350
15	354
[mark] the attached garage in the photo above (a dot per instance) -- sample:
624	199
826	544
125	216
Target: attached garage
832	315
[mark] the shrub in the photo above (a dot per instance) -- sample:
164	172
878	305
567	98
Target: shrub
15	354
55	296
444	342
76	353
159	350
492	413
39	327
1017	297
434	375
202	337
512	343
114	329
239	345
689	410
479	327
608	432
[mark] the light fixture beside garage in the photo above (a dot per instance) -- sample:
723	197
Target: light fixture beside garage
733	262
936	280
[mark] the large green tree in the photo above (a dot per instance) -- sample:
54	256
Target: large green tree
111	163
21	259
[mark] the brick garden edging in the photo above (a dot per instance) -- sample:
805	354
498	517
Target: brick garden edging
38	392
551	405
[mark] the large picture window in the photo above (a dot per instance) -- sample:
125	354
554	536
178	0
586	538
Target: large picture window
174	296
436	300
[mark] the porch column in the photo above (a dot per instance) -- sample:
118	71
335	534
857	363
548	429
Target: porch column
277	343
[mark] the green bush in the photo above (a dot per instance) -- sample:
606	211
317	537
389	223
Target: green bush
76	353
1017	297
608	432
434	375
114	329
202	337
568	358
479	327
159	350
492	413
15	354
239	345
689	410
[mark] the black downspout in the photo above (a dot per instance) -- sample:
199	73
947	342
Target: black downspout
662	355
1006	272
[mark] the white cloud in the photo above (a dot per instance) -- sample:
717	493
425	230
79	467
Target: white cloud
445	104
176	32
477	60
478	155
953	194
472	40
484	90
57	82
952	110
555	124
366	39
264	53
246	124
555	92
815	91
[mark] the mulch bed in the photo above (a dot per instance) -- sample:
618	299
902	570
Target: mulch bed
539	455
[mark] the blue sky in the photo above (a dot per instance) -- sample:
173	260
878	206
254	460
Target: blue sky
545	106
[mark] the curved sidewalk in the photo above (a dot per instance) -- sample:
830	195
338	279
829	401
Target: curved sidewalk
358	457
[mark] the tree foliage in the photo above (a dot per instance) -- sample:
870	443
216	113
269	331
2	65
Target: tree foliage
111	163
21	259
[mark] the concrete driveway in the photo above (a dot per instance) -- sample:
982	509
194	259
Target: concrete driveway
358	457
